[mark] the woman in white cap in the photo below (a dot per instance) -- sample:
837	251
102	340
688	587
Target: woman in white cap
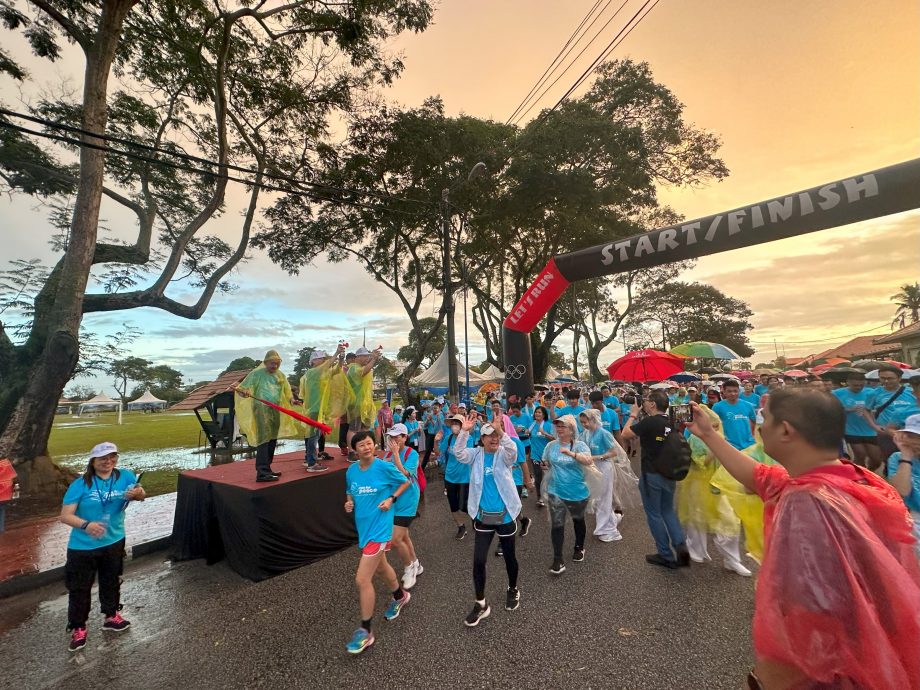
406	507
94	507
493	505
566	489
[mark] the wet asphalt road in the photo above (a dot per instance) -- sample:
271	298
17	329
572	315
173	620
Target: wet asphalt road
610	622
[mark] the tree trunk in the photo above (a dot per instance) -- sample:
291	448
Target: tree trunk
45	364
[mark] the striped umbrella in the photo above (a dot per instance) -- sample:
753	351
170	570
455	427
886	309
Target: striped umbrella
704	350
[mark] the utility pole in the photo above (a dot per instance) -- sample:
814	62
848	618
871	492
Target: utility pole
453	384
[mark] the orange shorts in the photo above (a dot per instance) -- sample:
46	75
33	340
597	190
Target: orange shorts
374	548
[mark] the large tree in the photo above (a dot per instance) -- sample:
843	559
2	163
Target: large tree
678	312
424	346
126	371
247	86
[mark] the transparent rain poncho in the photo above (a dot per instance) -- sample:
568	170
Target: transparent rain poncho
562	482
260	422
699	504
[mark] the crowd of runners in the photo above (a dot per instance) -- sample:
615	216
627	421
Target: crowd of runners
766	461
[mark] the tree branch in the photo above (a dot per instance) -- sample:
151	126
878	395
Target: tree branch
68	25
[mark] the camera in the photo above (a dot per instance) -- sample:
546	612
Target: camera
629	399
681	414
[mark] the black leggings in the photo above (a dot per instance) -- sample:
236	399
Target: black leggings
429	447
457	495
557	509
481	554
537	471
79	574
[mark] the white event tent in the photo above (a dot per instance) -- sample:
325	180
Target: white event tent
148	399
100	401
435	376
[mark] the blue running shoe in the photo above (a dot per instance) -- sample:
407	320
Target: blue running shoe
396	606
361	640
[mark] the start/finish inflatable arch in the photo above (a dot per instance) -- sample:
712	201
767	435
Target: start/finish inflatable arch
873	194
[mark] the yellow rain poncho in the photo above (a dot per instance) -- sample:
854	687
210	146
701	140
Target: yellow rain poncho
699	505
747	506
259	422
316	395
359	387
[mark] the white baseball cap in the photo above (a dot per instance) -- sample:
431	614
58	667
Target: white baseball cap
912	424
487	430
398	430
318	354
100	450
362	351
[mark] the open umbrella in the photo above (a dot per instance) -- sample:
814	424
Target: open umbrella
909	374
796	374
645	365
899	365
704	350
868	364
840	373
723	377
743	374
685	377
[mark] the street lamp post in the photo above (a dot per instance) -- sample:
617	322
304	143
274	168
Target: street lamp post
453	383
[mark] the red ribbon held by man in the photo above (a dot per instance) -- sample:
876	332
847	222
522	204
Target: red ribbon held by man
296	415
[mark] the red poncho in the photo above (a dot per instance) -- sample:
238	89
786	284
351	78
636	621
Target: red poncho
838	595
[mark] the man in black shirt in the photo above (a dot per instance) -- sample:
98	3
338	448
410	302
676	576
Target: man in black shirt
657	492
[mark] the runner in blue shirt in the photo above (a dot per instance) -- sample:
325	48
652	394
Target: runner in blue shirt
762	387
541	433
574	407
530	404
610	419
372	488
94	507
610	400
738	417
406	506
863	439
397	414
749	396
904	470
891	405
431	423
456	475
413	427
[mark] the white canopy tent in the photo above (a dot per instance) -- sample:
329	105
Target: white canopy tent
552	374
100	401
493	374
435	376
148	399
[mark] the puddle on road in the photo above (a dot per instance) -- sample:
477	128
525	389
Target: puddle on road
161	458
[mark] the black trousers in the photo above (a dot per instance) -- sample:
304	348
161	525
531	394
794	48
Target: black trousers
537	471
484	534
343	434
429	447
79	575
265	453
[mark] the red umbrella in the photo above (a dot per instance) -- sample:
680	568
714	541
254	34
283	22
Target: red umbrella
645	365
744	374
900	365
796	374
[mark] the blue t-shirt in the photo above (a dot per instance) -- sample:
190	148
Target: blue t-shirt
567	479
624	413
538	442
599	441
752	399
397	418
610	420
455	471
761	388
368	488
612	402
434	422
103	500
516	472
407	503
412	427
898	411
522	424
912	500
736	422
574	411
857	425
490	500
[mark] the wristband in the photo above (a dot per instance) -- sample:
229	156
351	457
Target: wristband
393	498
84	525
905	462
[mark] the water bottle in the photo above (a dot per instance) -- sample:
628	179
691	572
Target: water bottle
106	519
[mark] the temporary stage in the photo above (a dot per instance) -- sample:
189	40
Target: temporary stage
262	529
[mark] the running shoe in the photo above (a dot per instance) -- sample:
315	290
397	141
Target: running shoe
418	568
557	568
524	493
578	555
499	551
408	577
77	639
683	557
325	456
513	599
361	640
477	614
317	468
396	606
658	559
116	623
461	533
352	456
540	503
525	526
737	568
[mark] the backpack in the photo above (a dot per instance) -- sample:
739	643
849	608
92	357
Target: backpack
673	461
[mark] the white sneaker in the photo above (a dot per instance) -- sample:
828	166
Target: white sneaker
705	559
618	517
417	568
738	568
408	578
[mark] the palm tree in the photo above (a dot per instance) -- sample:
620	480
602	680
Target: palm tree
908	301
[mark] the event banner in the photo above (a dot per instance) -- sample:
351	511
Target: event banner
878	193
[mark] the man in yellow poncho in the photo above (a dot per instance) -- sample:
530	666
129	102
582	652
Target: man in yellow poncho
262	424
360	410
314	391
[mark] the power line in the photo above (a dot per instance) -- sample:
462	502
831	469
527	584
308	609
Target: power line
551	68
814	342
572	63
312	194
192	158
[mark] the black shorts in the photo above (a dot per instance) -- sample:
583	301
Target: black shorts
508	529
457	496
403	520
864	440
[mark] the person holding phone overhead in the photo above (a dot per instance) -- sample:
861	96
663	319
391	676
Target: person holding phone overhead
94	506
